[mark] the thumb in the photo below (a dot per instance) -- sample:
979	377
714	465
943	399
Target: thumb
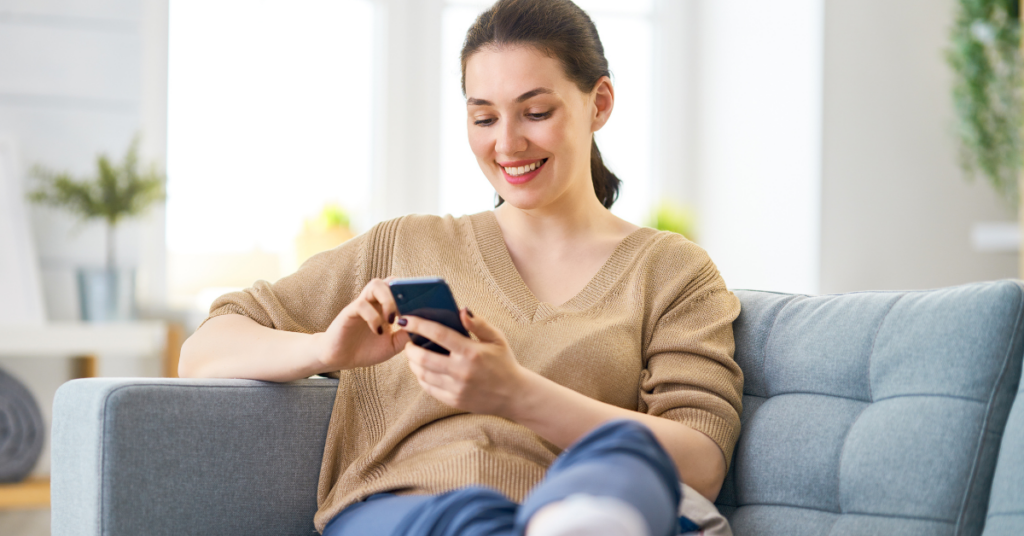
480	327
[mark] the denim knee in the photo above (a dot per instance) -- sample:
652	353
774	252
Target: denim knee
621	436
472	510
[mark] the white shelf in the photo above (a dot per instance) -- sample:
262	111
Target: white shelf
996	237
66	339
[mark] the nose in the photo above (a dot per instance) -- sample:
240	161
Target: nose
510	140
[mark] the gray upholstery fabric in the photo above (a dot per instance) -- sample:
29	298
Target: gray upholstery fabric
1006	505
172	457
876	412
21	430
865	413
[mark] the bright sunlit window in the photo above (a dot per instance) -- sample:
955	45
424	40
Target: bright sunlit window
626	31
269	110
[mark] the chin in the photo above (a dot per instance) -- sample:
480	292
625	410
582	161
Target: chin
523	200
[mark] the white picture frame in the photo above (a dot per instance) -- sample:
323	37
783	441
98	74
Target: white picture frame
21	292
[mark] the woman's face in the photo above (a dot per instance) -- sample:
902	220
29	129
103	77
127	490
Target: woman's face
530	127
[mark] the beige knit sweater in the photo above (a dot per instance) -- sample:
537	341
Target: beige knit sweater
652	332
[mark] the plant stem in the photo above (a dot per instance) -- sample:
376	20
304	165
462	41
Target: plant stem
110	247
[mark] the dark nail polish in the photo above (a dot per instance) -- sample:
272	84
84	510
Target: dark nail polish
391	318
402	322
380	330
468	312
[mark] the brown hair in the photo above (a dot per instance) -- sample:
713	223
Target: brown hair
560	29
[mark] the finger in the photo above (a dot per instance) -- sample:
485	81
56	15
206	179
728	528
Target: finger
440	395
371	315
431	378
439	380
399	339
378	292
427	360
441	334
483	329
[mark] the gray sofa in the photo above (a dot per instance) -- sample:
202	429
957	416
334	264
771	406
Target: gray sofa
864	413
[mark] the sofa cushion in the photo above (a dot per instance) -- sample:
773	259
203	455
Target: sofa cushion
873	409
1006	504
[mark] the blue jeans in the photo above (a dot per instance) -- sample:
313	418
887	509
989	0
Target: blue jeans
619	459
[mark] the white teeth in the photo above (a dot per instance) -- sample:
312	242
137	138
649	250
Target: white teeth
516	171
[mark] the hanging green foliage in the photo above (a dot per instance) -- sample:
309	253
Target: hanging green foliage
986	59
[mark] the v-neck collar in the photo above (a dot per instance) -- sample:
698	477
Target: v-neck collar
502	272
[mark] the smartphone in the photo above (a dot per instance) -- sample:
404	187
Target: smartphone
430	298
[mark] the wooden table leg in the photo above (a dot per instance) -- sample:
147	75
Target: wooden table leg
34	492
84	366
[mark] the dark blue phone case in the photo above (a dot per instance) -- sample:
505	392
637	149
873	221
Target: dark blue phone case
430	298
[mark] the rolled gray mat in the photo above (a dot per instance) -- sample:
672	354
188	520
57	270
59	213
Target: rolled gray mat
21	430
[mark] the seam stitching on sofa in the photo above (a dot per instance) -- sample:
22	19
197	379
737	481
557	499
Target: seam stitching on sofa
988	415
832	527
931	395
871	352
839	465
768	340
103	456
911	395
866	514
1014	513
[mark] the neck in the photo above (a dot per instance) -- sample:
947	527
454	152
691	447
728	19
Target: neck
574	216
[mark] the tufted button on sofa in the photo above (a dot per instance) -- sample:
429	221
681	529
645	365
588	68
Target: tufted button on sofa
894	413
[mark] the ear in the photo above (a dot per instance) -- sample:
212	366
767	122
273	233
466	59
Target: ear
603	98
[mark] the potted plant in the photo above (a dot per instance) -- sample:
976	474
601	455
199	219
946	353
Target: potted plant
669	216
118	191
327	231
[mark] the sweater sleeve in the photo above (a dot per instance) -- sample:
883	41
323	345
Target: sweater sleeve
690	375
309	300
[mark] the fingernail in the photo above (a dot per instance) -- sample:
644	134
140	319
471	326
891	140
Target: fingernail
468	312
402	322
391	318
380	330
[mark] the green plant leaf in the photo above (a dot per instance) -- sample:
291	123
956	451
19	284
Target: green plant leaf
986	60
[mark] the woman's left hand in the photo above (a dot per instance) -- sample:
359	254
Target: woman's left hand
479	376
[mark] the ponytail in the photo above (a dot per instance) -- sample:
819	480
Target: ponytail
606	184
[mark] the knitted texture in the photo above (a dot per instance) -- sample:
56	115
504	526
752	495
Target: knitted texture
651	332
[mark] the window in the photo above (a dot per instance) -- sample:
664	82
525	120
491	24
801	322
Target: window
269	110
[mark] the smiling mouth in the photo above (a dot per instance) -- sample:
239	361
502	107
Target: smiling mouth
523	170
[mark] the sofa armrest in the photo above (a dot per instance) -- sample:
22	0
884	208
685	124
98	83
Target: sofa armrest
175	456
1006	503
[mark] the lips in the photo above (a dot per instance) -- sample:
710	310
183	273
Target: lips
521	171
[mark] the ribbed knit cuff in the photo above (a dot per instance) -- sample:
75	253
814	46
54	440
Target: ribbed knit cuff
722	431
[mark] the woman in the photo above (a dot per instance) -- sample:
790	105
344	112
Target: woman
587	331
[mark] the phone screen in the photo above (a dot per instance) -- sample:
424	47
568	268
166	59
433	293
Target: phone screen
429	298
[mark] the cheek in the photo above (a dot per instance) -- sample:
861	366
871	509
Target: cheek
480	142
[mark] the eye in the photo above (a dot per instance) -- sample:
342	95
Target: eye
484	122
539	116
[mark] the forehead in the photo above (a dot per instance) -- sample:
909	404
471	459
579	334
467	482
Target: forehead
502	74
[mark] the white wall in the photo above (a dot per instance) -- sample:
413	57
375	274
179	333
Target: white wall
80	79
757	135
896	211
76	79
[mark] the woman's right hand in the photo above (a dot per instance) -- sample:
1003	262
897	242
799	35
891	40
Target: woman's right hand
361	334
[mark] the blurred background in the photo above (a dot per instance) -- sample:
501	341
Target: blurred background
810	146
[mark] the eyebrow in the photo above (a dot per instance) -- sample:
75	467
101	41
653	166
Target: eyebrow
472	101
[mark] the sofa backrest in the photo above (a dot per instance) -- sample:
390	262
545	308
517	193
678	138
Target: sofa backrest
873	412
